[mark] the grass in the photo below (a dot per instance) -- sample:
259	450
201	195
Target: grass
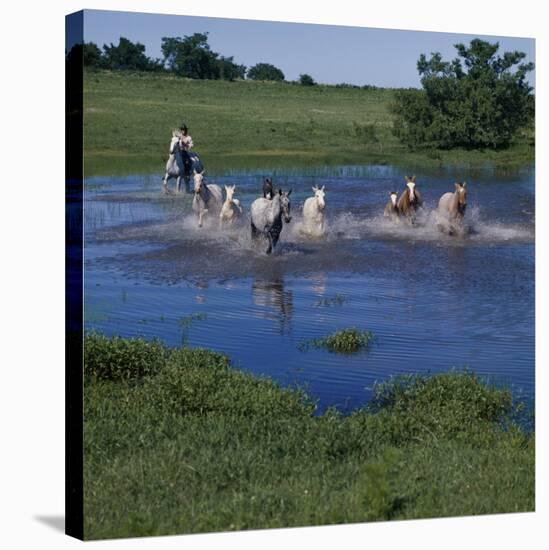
193	445
128	118
348	340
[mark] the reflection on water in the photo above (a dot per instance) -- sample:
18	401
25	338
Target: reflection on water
274	302
433	301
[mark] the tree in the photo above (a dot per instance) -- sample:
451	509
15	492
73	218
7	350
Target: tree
127	56
92	55
478	100
265	71
191	56
306	80
229	70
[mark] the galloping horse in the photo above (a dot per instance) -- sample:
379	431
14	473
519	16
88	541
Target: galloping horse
180	164
267	217
391	208
231	209
206	197
175	166
313	213
410	199
451	209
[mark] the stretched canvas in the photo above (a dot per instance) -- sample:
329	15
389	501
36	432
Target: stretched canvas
300	274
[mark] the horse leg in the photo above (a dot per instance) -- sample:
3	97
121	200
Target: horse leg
165	188
255	231
271	244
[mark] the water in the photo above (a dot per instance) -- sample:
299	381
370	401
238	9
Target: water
434	302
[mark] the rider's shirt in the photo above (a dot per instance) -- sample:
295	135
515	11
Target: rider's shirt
186	142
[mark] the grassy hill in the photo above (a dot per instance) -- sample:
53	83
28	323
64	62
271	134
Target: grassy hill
128	119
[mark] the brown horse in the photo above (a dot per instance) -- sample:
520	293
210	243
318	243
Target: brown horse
410	199
391	208
451	209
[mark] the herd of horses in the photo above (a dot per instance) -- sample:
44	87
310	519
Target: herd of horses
270	211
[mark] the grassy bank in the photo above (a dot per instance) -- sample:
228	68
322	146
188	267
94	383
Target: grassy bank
246	124
176	441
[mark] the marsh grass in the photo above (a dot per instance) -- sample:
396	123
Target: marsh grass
348	340
193	445
128	118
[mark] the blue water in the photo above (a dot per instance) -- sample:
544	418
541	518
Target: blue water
434	302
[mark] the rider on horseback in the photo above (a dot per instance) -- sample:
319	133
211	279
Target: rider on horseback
190	158
186	144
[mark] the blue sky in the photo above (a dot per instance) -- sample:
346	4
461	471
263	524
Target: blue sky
330	54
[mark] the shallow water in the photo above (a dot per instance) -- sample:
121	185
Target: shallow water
433	301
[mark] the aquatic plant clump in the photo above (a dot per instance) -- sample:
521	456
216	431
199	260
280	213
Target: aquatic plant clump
348	340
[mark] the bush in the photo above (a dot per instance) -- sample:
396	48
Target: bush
306	80
478	101
444	405
265	71
120	358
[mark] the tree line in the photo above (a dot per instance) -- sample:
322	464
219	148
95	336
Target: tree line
190	56
477	100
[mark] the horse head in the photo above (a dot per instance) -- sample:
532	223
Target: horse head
319	195
411	183
461	191
198	178
174	143
394	196
229	190
285	204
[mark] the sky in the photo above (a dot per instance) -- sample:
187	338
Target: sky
330	54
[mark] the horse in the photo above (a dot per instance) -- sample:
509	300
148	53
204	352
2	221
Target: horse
391	209
267	216
175	166
451	209
267	188
180	164
313	213
231	209
410	200
206	197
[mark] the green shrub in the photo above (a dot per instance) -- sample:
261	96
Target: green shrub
438	406
478	100
120	358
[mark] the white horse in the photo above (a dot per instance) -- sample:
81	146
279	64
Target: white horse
231	209
206	197
451	210
313	213
267	217
391	208
175	166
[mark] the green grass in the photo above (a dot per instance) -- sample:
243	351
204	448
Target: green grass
128	119
347	340
195	446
